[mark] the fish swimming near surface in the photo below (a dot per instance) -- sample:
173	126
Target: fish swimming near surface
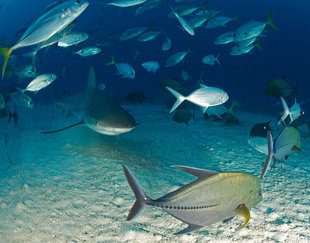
124	69
46	26
213	197
204	97
279	88
287	142
96	110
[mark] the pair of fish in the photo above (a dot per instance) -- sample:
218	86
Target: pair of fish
49	24
204	97
96	110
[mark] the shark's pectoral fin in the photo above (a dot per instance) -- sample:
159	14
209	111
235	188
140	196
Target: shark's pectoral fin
189	228
80	123
243	211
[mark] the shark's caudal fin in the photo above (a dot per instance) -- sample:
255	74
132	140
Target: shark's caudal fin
286	111
64	128
269	156
6	52
180	98
91	83
141	198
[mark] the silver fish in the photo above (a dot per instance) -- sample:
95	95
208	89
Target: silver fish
72	38
39	82
213	197
88	51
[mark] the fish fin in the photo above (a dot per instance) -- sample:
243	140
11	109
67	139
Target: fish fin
200	173
189	228
236	18
112	62
141	198
203	86
296	149
274	162
180	98
286	111
257	44
227	220
6	52
204	109
270	21
20	90
80	123
242	210
269	156
91	83
231	109
217	58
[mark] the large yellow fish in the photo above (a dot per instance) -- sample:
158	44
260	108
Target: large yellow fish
213	197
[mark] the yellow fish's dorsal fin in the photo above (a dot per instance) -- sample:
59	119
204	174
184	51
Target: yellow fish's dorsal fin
243	211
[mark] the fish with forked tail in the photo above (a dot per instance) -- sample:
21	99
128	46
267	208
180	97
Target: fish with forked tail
213	197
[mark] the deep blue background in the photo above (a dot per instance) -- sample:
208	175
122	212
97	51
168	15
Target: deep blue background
285	52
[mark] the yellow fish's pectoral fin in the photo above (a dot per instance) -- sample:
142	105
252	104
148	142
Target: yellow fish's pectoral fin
296	149
6	52
243	211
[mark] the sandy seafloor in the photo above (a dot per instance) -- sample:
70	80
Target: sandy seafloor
70	187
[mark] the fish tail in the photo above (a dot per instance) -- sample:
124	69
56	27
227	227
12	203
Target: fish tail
20	90
205	5
141	198
286	111
180	98
217	58
6	52
231	109
112	62
258	45
236	18
269	156
270	21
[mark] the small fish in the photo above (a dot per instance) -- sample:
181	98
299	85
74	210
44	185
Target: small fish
39	82
185	10
19	98
213	197
72	38
260	129
210	59
176	58
186	26
197	21
28	71
125	3
279	88
167	44
88	51
185	76
287	142
240	50
123	69
182	115
204	97
151	66
131	33
294	112
147	6
148	36
221	21
225	38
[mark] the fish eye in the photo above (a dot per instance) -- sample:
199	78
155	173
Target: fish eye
259	194
30	102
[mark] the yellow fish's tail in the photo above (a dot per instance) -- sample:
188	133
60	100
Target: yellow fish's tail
6	52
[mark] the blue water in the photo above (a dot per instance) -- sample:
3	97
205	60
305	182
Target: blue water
59	160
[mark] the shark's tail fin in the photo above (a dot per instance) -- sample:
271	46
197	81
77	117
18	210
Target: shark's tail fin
286	111
180	98
269	156
141	198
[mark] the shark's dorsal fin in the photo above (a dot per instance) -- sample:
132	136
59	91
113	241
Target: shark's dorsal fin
91	83
80	123
200	173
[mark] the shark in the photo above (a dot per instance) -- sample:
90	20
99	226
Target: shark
96	110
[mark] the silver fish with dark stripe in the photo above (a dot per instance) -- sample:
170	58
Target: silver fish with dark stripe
213	197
